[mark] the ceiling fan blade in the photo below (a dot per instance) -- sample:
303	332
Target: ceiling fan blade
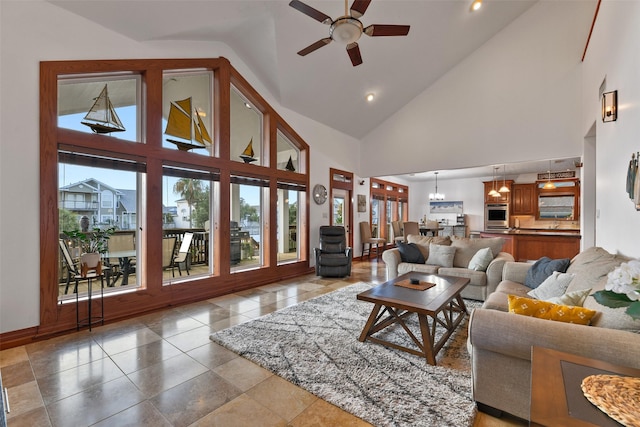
359	7
354	53
386	30
315	46
311	12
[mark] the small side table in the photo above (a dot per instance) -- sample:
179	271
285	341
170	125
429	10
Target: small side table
556	397
90	320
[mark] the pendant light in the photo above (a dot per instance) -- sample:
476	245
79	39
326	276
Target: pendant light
549	185
493	191
436	195
504	188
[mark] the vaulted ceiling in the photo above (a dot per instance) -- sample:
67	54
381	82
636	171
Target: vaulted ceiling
323	85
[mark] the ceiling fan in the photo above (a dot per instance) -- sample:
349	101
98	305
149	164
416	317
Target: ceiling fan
347	29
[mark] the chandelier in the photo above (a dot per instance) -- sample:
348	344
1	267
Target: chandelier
436	195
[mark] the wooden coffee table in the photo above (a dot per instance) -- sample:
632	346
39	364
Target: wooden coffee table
438	305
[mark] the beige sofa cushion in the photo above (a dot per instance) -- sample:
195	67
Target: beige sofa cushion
591	266
423	242
476	278
466	248
407	267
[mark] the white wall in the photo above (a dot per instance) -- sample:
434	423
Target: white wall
613	53
517	98
34	31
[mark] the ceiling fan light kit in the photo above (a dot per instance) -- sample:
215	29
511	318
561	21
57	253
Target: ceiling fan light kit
347	29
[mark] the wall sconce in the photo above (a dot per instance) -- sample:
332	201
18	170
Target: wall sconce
610	106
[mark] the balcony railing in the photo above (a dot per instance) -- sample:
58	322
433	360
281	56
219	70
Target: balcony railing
74	205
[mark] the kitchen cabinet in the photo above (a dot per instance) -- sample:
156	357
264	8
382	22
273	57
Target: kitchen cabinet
503	198
524	199
533	245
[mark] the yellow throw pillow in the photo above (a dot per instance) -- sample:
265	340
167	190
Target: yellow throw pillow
550	311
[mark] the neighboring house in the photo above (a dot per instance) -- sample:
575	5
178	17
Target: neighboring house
169	216
183	211
101	203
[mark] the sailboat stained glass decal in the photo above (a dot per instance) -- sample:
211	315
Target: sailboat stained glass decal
102	117
185	123
247	154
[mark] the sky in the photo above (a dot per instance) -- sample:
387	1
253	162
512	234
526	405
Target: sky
122	180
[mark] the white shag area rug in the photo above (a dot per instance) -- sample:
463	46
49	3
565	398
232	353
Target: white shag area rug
315	346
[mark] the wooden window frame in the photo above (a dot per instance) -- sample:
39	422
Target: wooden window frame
152	295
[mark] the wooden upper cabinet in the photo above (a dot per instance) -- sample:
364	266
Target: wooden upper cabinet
504	197
523	199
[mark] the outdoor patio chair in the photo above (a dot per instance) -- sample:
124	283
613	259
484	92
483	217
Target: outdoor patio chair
82	270
168	251
184	254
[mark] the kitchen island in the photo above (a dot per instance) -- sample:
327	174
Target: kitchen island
532	244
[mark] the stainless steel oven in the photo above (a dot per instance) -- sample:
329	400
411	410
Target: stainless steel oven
496	216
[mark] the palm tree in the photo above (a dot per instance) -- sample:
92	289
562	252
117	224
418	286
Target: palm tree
189	189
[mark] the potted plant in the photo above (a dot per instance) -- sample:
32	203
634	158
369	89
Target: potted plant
94	241
92	245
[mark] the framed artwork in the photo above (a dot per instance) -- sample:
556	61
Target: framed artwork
362	203
454	207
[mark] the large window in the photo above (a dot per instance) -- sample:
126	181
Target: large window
246	223
389	202
94	198
197	181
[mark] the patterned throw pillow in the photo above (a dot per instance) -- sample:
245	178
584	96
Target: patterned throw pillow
441	255
550	311
409	252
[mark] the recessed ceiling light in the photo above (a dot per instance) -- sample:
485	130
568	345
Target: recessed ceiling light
370	97
477	4
246	104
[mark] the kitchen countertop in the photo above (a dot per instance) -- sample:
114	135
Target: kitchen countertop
535	232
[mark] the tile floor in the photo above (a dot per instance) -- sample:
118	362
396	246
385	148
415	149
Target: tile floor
161	369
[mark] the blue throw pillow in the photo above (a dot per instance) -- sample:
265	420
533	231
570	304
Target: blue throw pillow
543	268
409	252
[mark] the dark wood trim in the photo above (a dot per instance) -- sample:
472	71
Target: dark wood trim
593	24
347	186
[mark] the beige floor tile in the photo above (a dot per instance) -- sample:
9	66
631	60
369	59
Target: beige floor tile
142	414
50	357
35	418
212	355
12	356
166	374
144	356
194	338
205	312
193	399
281	397
17	374
242	411
71	381
114	344
321	413
242	373
95	404
174	324
24	398
227	323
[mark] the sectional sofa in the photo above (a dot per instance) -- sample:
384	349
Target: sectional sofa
483	281
500	341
